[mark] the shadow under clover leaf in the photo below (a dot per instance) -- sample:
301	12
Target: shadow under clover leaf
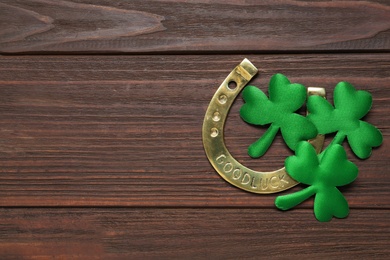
350	106
278	111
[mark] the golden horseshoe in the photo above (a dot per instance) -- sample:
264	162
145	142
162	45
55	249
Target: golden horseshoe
213	138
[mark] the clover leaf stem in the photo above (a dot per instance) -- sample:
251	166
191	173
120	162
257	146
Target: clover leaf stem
338	139
291	200
259	147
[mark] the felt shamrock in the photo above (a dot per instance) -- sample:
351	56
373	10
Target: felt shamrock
323	174
278	111
350	106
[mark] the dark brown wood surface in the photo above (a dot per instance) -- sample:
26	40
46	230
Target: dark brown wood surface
101	110
190	234
196	26
126	130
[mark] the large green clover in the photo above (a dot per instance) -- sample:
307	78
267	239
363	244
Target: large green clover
350	106
323	174
284	99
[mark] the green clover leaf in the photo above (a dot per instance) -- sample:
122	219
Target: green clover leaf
323	173
350	106
278	111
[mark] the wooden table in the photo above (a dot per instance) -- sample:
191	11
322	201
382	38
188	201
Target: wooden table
101	111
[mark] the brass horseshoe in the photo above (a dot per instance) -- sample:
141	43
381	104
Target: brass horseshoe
213	138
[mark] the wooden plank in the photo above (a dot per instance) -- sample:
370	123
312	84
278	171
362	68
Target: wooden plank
190	234
126	130
193	26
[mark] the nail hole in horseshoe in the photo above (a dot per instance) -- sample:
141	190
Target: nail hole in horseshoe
232	85
216	116
222	99
214	132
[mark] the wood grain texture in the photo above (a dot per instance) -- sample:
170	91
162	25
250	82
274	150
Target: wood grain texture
86	26
126	130
101	156
190	234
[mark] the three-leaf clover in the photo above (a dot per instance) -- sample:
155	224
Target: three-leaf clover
350	106
278	111
323	174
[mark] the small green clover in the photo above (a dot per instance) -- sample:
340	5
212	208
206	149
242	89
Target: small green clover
350	106
278	111
323	174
